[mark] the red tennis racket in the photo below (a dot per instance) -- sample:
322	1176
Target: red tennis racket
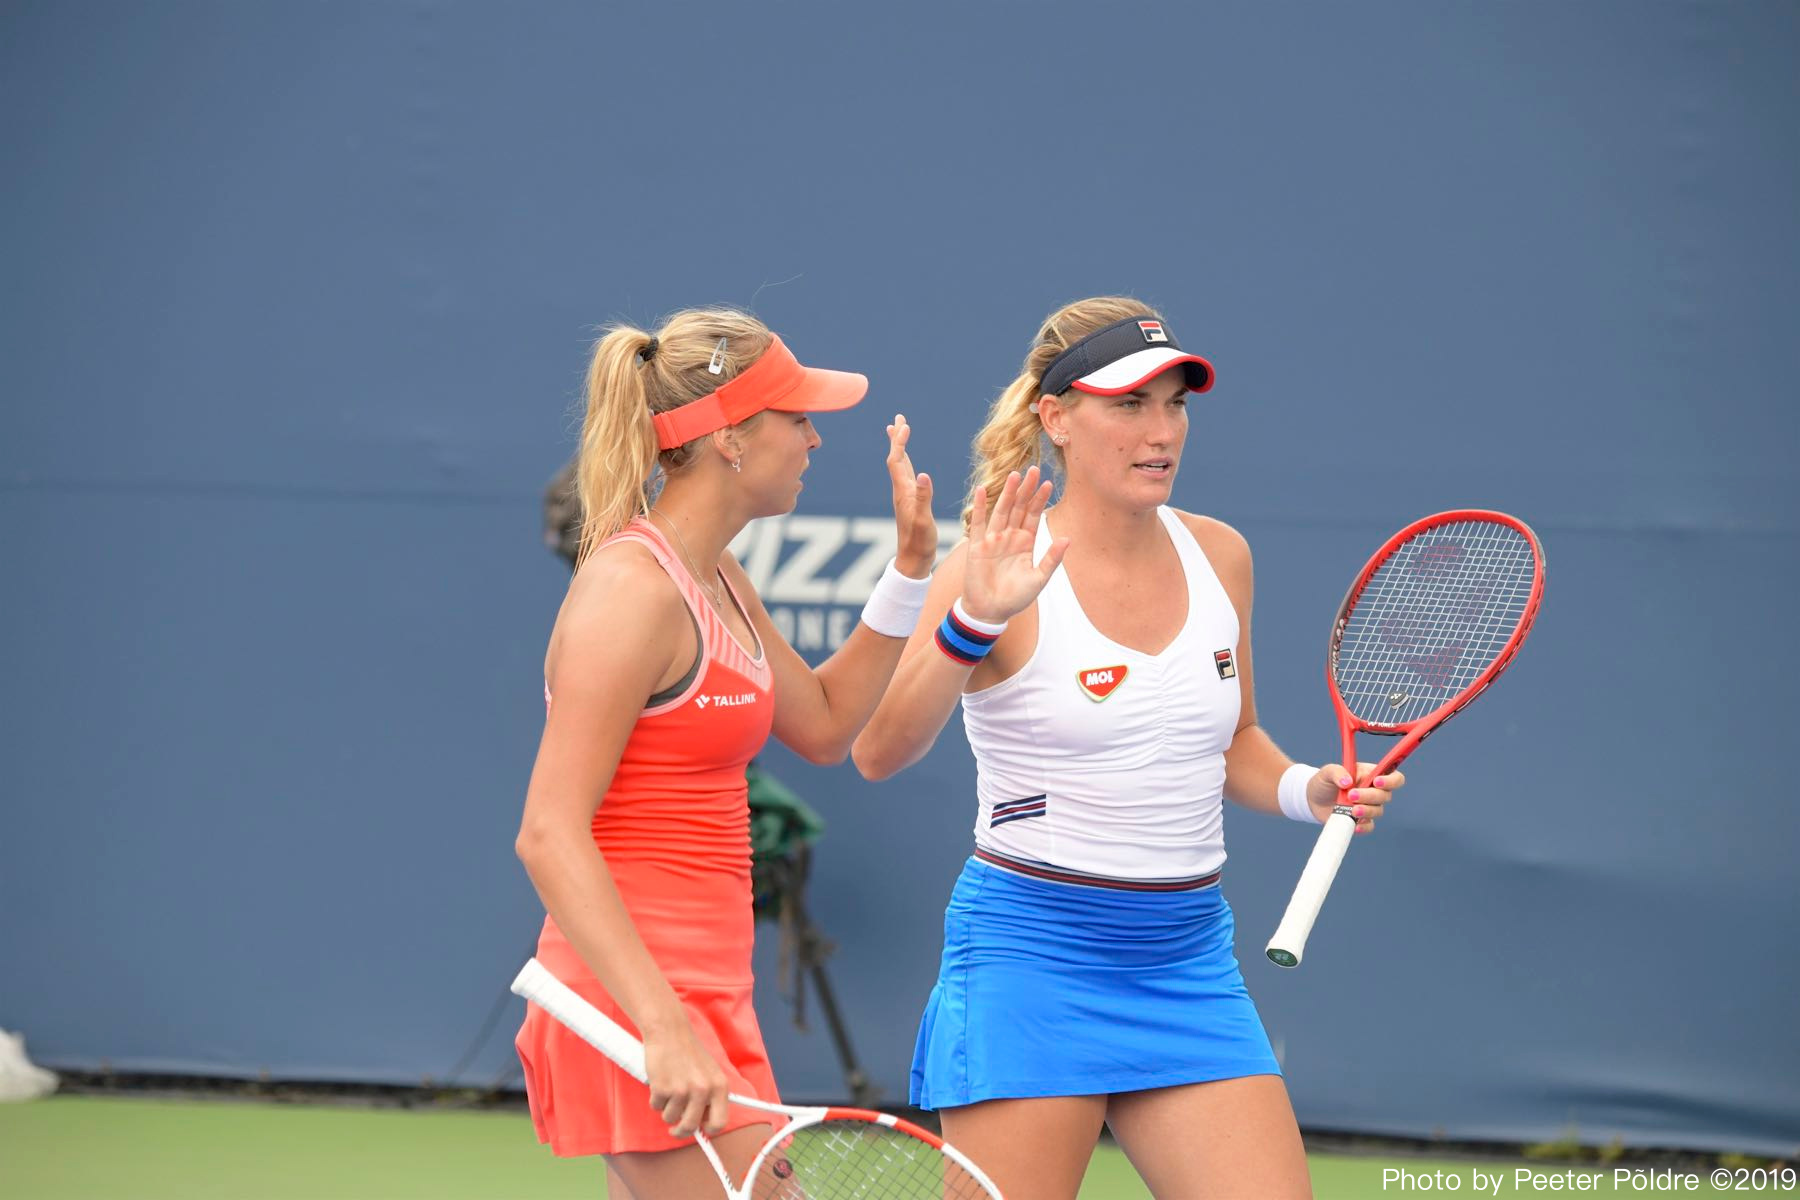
1432	620
815	1153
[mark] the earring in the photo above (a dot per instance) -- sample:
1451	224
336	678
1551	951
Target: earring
737	464
1060	440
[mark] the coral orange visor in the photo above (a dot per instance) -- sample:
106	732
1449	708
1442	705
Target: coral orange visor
776	380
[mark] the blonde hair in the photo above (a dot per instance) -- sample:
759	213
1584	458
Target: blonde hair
619	455
1013	437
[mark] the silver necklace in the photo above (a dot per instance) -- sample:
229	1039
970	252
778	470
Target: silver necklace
715	593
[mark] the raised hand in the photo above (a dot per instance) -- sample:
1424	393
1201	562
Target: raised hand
999	578
916	551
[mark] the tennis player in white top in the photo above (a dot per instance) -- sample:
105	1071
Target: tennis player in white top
1088	975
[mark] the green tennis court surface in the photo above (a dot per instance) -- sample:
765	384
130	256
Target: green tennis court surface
100	1148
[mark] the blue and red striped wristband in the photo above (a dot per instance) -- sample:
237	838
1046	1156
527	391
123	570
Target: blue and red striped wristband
965	640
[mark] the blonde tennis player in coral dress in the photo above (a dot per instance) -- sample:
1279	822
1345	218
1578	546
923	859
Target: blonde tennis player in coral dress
664	676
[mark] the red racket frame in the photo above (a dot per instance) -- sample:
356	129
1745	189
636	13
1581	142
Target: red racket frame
1413	732
1289	943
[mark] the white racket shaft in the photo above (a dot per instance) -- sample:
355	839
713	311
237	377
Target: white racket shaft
1289	943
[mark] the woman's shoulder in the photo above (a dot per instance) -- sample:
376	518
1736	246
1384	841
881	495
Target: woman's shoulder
1224	545
622	569
620	592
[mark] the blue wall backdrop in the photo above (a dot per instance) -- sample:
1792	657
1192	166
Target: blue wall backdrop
298	301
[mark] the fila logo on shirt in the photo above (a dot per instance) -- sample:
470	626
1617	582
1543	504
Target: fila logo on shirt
1101	682
1222	660
1152	331
726	701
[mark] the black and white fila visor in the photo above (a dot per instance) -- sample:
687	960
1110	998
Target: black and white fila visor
1119	357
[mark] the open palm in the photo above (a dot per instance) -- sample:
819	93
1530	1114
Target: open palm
916	531
999	578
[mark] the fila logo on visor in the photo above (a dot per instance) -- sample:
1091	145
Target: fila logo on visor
1101	682
1152	331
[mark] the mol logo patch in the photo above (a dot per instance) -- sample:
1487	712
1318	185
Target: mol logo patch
1100	682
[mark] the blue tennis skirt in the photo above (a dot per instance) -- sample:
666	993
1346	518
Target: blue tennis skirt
1058	989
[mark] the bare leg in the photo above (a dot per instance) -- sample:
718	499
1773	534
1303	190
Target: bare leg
1231	1139
1033	1149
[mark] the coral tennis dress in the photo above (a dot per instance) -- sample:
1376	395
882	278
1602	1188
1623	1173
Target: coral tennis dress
674	828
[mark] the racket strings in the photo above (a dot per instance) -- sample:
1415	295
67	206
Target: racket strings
1436	613
859	1160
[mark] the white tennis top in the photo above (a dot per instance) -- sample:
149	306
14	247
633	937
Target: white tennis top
1098	759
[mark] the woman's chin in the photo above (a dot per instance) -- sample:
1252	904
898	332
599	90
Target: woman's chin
779	508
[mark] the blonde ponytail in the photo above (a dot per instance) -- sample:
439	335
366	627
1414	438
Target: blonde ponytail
618	443
1013	437
633	376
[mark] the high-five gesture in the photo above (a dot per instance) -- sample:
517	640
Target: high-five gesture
999	578
916	550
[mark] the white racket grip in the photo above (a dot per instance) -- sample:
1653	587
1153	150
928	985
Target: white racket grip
1289	943
538	985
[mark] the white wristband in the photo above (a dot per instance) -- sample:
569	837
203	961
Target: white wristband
1291	791
988	627
895	603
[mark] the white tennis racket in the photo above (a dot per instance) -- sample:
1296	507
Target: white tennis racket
817	1153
